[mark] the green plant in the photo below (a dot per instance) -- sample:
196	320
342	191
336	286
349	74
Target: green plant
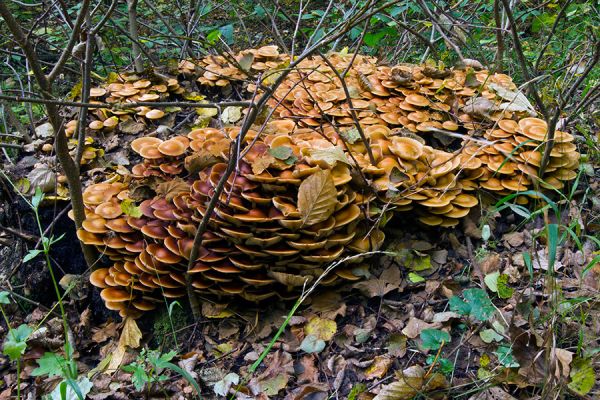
149	369
16	344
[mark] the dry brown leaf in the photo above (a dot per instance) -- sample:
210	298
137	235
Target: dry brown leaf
198	161
380	367
414	327
306	370
130	337
388	281
317	198
262	163
563	360
172	188
493	393
411	382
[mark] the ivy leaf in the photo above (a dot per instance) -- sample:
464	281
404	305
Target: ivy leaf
15	342
433	339
505	357
481	305
4	298
490	335
459	306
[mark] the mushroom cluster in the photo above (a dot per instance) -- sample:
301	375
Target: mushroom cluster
511	163
127	89
336	159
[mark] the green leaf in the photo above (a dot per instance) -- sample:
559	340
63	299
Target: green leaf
281	152
459	306
490	335
491	281
4	298
213	36
351	135
504	291
486	233
31	255
505	357
51	364
160	361
37	198
139	377
445	366
583	376
129	208
415	278
433	339
312	344
227	33
552	245
15	342
481	305
356	390
187	376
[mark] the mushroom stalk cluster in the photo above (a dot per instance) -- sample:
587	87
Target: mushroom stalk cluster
305	190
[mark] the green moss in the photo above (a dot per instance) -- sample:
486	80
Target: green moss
164	326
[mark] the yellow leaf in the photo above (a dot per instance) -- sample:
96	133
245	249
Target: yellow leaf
323	329
317	198
380	367
130	337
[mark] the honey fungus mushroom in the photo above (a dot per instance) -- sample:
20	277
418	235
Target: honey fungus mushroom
262	240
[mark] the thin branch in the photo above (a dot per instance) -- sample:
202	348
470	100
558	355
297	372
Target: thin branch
66	53
523	61
559	17
121	106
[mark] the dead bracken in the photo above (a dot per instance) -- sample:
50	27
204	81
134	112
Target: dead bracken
307	189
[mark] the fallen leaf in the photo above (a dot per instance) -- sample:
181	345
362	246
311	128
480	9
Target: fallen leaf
390	279
583	376
130	337
380	367
493	393
321	328
410	383
396	345
317	198
563	360
415	326
331	155
221	388
231	114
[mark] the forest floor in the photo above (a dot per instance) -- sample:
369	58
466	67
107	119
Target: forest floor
444	314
